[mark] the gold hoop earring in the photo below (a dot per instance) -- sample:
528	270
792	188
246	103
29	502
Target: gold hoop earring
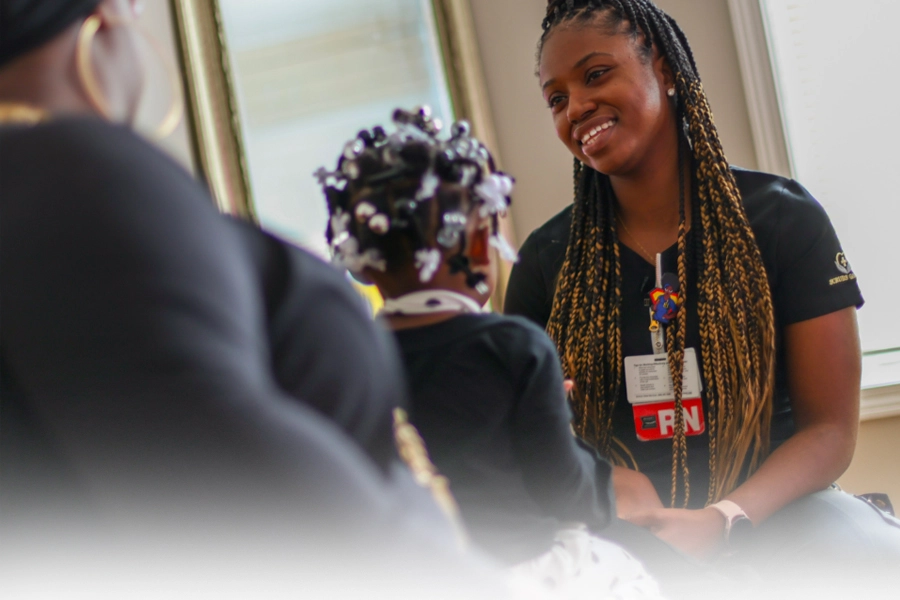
91	86
86	75
175	112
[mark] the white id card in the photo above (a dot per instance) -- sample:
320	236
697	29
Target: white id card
647	378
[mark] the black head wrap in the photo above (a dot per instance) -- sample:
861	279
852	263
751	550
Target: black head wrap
26	24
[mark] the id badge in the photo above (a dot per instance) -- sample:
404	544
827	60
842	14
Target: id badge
649	389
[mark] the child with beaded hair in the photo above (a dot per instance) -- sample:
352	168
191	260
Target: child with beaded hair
417	215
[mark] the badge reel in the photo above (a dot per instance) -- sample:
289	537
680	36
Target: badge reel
648	382
665	301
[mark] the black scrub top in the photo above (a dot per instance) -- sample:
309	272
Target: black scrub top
809	276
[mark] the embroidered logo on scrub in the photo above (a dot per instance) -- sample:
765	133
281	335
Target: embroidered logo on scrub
843	266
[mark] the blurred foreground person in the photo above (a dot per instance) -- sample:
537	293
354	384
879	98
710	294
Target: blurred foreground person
188	405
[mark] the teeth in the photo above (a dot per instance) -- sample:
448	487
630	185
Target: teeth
587	137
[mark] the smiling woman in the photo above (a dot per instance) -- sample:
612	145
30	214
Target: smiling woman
632	94
612	95
730	388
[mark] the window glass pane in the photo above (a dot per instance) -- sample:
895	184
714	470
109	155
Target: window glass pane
309	75
837	78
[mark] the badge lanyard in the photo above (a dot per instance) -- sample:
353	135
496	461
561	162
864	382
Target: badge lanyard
657	333
648	383
665	301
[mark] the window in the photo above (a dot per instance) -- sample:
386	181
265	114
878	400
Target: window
276	87
835	88
308	76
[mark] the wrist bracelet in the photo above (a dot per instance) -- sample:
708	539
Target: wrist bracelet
733	514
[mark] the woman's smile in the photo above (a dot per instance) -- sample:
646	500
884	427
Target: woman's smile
607	96
593	136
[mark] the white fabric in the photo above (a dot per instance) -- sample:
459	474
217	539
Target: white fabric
581	566
430	301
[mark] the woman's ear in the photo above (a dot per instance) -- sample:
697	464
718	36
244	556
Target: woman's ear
662	70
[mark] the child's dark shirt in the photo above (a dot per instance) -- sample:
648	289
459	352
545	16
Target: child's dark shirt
487	396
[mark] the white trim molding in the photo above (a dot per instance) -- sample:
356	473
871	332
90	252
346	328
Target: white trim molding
879	403
881	385
760	87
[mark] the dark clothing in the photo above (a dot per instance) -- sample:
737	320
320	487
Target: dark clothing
212	396
807	274
152	348
324	348
487	396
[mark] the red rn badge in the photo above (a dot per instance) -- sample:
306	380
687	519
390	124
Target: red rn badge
650	392
657	421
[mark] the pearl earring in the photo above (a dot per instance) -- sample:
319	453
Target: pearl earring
671	92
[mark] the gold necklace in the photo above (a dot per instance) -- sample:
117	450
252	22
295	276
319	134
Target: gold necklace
651	257
25	114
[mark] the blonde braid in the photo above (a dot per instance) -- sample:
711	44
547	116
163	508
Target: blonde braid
734	289
675	348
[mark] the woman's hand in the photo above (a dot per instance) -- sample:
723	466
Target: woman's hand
698	533
634	493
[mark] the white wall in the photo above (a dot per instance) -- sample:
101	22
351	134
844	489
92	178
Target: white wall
876	463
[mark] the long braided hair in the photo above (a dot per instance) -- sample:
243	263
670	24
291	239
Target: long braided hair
733	301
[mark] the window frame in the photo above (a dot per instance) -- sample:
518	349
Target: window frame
218	144
880	398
